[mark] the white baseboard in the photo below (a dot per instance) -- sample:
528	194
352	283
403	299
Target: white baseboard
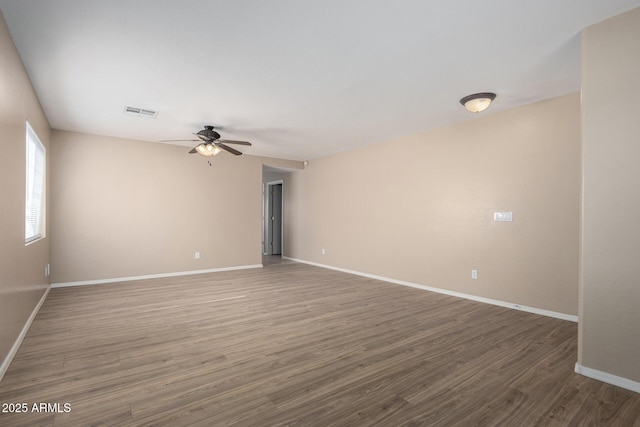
514	306
608	378
152	276
16	345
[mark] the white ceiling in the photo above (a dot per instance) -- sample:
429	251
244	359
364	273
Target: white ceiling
300	79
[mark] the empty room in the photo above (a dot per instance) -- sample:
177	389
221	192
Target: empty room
319	213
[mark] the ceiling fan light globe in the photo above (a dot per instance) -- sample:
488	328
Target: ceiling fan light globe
205	150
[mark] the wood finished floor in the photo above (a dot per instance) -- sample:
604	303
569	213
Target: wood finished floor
292	344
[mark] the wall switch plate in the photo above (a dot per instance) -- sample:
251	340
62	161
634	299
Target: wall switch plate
503	216
197	255
474	274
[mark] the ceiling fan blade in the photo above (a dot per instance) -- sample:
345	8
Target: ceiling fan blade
193	151
177	140
231	141
227	148
202	137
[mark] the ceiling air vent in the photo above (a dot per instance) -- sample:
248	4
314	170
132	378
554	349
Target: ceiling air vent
140	112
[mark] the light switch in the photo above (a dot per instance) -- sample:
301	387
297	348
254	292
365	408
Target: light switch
503	216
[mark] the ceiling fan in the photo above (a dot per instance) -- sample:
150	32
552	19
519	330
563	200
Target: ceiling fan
211	144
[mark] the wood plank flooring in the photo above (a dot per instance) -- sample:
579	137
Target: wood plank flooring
292	344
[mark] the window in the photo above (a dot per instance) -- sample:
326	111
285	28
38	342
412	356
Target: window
34	200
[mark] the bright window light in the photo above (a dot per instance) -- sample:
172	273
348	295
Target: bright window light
34	223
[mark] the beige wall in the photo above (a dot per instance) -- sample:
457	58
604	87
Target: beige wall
125	208
420	209
417	209
22	279
610	285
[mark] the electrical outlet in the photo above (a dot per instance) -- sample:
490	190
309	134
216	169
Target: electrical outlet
474	274
323	251
197	255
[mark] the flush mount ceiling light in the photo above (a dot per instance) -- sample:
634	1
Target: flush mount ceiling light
478	101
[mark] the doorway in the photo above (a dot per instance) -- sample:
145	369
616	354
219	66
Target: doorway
273	218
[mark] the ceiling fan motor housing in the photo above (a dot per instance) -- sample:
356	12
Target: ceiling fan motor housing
209	133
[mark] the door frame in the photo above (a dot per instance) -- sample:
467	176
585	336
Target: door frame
266	250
